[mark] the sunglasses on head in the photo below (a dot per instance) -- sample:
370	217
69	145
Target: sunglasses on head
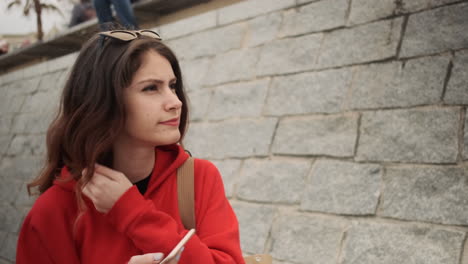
128	35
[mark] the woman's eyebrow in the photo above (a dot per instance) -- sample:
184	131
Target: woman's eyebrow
156	80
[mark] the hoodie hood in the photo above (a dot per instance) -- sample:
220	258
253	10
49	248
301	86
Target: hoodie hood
168	159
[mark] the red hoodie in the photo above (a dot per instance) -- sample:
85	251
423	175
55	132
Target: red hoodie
136	224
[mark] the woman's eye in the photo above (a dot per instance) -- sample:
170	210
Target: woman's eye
150	88
173	86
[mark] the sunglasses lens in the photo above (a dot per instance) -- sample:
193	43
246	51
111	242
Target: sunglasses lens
150	33
123	35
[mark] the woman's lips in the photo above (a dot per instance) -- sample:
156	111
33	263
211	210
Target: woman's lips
172	122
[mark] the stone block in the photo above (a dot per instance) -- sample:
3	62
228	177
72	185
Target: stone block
393	84
198	104
390	244
5	143
209	42
27	145
11	100
188	25
417	5
365	43
465	139
3	236
62	63
263	29
9	188
430	194
35	103
457	87
315	17
11	217
289	55
23	199
341	187
6	121
27	86
255	223
231	139
229	170
363	11
13	76
4	261
32	122
333	135
436	30
417	135
236	65
8	250
195	72
49	83
21	168
37	69
306	93
251	8
238	100
300	238
276	181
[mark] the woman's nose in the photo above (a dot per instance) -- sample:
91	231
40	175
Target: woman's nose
173	102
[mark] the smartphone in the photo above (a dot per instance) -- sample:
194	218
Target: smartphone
178	247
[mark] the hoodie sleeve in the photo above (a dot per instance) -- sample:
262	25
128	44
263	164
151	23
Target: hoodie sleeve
217	237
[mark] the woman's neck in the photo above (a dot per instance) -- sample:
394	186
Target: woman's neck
135	162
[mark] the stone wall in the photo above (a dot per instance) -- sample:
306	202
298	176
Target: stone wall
339	126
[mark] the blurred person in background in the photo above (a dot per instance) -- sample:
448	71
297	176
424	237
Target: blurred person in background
82	12
124	11
4	46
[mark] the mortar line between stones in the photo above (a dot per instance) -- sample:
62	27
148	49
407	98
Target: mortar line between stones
341	247
447	77
376	219
378	208
237	179
348	12
268	246
272	140
269	240
351	159
431	8
402	36
265	101
461	139
317	70
462	253
358	135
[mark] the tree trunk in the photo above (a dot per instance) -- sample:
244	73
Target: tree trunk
38	9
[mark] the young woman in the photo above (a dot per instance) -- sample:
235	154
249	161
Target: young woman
108	188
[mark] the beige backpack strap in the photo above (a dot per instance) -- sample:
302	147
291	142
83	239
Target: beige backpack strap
186	193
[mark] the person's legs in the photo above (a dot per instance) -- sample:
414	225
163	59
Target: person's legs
103	12
124	11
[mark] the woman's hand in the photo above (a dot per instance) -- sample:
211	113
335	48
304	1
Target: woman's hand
152	258
105	187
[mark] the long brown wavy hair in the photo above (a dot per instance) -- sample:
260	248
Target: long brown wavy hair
92	113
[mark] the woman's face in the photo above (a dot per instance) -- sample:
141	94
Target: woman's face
151	104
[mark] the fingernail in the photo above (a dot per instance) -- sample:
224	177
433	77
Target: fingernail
158	256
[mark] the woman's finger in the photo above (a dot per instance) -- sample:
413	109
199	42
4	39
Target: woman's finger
107	172
151	258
